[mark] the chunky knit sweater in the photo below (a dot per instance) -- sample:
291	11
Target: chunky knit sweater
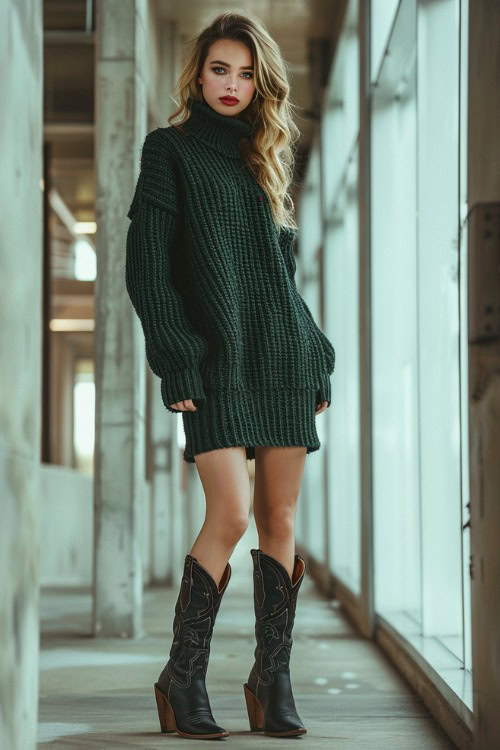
211	276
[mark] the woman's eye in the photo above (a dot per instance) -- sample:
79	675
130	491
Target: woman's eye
220	68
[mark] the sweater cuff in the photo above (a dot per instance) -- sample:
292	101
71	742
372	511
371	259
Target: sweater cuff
325	389
181	385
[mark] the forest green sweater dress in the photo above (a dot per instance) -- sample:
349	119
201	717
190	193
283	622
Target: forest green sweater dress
211	279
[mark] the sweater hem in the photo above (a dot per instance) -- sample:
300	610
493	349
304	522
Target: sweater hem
252	418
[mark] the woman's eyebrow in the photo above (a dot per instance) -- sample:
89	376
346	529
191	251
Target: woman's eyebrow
221	62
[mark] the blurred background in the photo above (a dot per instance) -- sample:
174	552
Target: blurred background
398	205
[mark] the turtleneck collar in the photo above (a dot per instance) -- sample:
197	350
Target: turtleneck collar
221	132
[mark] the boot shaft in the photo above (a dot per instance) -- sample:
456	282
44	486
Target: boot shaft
275	600
196	609
274	591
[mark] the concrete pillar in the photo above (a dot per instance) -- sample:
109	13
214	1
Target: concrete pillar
165	59
121	125
21	140
483	168
163	435
366	621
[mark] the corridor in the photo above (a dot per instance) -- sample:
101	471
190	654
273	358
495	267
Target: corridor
287	215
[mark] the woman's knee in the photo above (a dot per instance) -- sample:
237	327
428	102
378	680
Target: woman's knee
237	527
229	527
224	475
277	523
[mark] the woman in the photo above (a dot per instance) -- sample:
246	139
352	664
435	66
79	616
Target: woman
210	271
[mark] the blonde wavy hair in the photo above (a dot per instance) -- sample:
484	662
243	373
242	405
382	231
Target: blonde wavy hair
270	152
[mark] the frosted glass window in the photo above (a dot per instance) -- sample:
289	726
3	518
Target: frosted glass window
438	292
339	169
383	13
310	529
396	488
464	372
418	320
83	416
342	327
340	121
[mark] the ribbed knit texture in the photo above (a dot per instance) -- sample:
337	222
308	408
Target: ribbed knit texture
212	280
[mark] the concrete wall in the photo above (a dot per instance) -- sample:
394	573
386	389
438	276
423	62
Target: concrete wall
20	366
67	527
483	187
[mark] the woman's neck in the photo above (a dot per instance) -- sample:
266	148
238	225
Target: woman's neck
218	131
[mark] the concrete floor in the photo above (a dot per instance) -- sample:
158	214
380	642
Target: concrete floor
97	693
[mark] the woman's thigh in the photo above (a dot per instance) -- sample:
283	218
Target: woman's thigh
278	477
224	476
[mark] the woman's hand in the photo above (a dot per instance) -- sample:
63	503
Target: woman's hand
321	407
186	405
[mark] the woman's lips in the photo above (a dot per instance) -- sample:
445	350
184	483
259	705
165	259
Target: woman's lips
229	101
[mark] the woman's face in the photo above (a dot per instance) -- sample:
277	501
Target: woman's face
227	72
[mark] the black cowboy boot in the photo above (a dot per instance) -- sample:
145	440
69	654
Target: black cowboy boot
181	694
268	692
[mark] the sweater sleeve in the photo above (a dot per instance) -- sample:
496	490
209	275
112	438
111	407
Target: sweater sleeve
287	238
173	348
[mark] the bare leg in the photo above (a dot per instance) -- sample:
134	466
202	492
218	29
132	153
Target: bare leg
224	476
278	476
